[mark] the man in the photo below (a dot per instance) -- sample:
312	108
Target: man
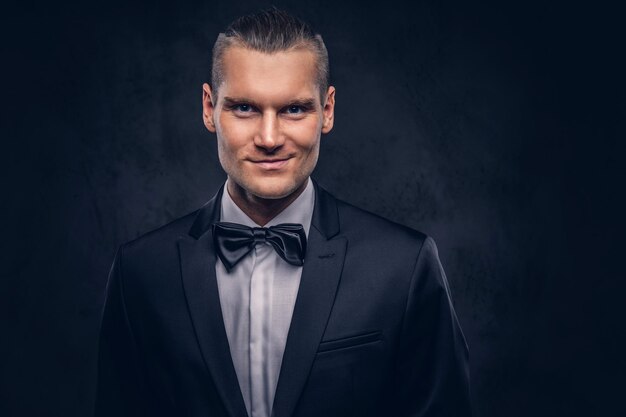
276	299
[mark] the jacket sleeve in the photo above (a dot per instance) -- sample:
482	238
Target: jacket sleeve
120	386
432	375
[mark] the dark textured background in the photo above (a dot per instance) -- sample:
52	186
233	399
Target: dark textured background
497	129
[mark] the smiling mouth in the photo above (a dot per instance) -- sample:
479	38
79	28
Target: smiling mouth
271	164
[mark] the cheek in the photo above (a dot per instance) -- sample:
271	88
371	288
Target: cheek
234	136
306	134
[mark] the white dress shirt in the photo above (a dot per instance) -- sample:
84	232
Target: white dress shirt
257	298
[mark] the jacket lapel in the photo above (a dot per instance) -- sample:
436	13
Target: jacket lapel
197	259
320	278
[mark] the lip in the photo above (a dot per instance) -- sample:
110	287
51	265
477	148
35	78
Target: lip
271	164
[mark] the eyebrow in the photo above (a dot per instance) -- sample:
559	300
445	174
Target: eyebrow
303	102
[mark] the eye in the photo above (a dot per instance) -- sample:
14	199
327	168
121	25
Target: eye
295	110
242	108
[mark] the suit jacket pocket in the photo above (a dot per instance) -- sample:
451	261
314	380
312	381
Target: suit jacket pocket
349	342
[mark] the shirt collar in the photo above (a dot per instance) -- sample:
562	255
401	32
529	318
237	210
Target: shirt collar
300	211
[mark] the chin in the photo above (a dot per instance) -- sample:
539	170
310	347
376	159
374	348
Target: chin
273	189
273	193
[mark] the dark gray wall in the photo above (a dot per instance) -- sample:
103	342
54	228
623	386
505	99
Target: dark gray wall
497	129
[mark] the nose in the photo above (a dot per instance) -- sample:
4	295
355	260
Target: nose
269	137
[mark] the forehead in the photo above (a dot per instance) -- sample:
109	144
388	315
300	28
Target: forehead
280	76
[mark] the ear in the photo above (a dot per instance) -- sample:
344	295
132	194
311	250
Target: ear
207	107
329	110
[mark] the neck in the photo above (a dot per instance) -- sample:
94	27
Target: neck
261	210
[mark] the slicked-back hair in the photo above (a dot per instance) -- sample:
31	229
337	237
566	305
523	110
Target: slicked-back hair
270	31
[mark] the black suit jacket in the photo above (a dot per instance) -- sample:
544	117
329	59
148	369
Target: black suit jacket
373	331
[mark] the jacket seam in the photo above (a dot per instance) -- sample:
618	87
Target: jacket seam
412	285
123	299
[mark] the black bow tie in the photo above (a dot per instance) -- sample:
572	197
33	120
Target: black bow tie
233	241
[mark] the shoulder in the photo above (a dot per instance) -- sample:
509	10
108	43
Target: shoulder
147	263
157	250
377	243
359	224
159	243
384	254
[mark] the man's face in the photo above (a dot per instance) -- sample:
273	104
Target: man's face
268	119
